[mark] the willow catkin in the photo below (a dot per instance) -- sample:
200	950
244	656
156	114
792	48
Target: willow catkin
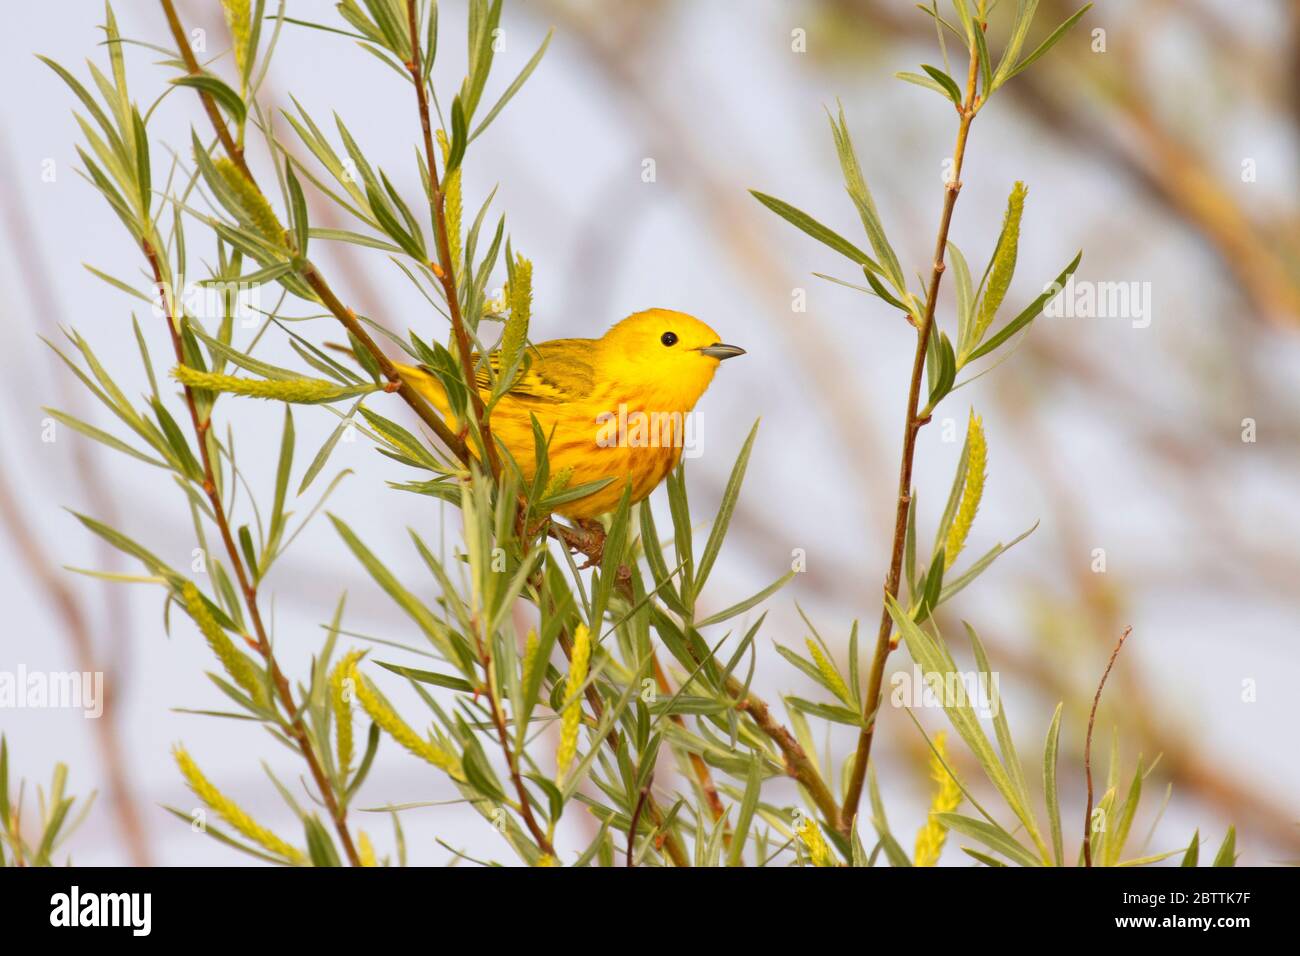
239	19
342	689
230	811
947	797
827	670
234	662
451	205
1004	263
519	299
382	713
253	209
530	657
971	493
810	834
365	849
571	719
300	391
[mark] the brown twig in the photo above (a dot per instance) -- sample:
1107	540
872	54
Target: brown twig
512	763
296	727
912	425
703	775
642	796
1087	750
69	609
65	601
797	763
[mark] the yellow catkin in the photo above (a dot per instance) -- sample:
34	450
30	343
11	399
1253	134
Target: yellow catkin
827	670
810	834
947	797
519	299
571	719
297	390
971	492
530	657
235	663
383	714
365	849
546	860
559	480
341	704
252	203
230	811
239	19
1004	263
451	205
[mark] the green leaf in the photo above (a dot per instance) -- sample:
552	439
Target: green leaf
965	296
408	602
986	63
950	88
297	211
319	845
1050	42
514	87
1192	856
1051	793
856	185
934	658
955	585
748	804
282	471
923	81
1025	10
994	837
893	852
801	220
726	508
611	559
1001	726
142	171
326	449
1227	855
430	677
745	605
103	437
1116	836
227	98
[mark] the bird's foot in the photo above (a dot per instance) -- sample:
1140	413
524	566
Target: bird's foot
587	537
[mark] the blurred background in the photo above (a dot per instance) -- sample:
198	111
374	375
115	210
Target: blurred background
1159	137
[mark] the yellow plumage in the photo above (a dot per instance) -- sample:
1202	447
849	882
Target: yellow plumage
614	407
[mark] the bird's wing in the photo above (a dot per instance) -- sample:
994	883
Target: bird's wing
553	372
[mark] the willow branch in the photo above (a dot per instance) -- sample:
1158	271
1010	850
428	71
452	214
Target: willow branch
445	270
911	427
295	726
512	763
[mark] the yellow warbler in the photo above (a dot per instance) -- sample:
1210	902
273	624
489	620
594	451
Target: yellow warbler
612	407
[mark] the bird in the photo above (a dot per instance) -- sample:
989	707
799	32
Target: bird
615	407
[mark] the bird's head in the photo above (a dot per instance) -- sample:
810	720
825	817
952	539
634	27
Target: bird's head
670	354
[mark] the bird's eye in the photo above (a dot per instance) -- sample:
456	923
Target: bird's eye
668	338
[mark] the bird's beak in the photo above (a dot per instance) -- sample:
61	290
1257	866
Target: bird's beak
719	351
